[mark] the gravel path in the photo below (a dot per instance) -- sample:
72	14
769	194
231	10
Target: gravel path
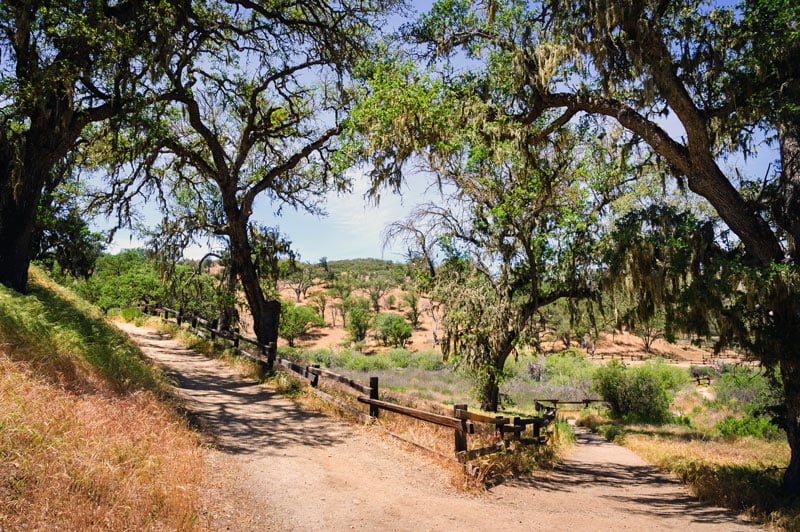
305	471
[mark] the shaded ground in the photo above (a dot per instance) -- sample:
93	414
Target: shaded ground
300	470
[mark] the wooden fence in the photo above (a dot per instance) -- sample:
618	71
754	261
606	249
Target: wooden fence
462	421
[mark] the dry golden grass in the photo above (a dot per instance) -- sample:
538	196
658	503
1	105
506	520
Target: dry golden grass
94	461
749	451
743	474
86	441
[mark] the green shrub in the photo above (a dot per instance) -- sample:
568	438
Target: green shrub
751	391
755	426
567	367
639	393
369	363
323	357
701	371
430	360
672	377
131	313
342	358
400	358
296	320
358	320
391	328
396	358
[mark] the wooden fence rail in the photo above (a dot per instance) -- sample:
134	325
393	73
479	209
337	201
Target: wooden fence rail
462	422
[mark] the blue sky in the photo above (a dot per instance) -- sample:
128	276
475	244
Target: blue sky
352	228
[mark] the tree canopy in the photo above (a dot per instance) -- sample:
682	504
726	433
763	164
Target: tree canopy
64	67
683	86
256	98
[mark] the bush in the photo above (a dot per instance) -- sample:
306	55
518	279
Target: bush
131	313
391	328
567	367
296	320
358	320
396	358
429	360
755	426
753	392
369	363
400	358
639	393
672	377
701	371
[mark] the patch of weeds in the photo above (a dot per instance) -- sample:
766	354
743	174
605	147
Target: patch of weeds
742	487
755	426
131	314
285	384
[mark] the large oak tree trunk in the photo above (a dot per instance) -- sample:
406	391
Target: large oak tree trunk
787	313
16	235
20	192
265	313
790	373
490	387
490	395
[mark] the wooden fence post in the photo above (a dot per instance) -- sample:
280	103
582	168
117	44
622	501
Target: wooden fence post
272	351
315	376
460	433
236	338
373	394
179	318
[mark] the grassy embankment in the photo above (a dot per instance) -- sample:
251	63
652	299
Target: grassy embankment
85	440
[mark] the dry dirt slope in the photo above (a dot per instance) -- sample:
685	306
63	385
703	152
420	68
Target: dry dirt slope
304	471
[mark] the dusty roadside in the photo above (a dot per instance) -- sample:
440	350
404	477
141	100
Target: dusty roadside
293	469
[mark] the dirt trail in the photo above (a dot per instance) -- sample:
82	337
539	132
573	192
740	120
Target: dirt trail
309	472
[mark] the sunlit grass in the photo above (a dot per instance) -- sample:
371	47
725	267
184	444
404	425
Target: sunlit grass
85	442
69	340
743	474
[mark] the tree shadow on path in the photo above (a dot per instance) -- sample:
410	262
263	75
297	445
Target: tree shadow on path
620	478
241	415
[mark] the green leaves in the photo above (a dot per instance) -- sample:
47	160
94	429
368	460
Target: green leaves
296	320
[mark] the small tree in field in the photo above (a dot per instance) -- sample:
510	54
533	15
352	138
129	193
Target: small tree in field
411	299
296	320
392	328
319	300
358	323
358	317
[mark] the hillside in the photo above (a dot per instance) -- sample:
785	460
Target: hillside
85	440
334	336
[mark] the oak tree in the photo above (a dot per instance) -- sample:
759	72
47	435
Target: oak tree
64	66
258	93
692	83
